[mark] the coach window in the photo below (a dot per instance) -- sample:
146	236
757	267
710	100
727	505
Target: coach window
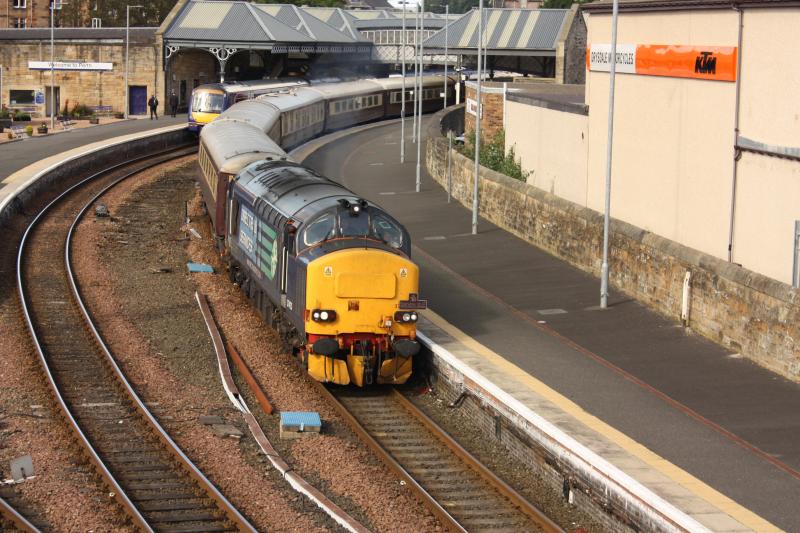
321	229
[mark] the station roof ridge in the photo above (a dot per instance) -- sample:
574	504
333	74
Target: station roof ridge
505	29
237	21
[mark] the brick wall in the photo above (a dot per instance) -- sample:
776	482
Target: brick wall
742	310
89	88
492	116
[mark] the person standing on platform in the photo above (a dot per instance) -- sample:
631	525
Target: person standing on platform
153	103
173	103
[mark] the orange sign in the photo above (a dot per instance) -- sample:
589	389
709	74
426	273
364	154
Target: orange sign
678	61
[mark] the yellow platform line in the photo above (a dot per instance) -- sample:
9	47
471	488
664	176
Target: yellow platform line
697	487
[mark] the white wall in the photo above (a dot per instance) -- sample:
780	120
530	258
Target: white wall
552	146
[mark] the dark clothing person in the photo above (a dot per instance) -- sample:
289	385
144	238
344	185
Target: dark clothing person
173	103
153	103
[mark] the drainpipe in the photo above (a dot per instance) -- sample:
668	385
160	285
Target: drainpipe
737	154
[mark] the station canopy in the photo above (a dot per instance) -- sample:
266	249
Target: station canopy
520	32
280	28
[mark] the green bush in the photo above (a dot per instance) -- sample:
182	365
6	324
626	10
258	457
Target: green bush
81	110
22	117
494	156
4	113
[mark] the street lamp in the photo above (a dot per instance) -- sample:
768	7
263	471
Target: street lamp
421	99
53	4
609	151
403	101
127	41
478	111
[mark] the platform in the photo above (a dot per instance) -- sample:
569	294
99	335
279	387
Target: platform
712	433
15	156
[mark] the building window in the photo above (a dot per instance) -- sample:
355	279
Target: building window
20	23
19	4
19	97
56	4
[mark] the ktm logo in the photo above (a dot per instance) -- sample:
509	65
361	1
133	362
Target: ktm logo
705	63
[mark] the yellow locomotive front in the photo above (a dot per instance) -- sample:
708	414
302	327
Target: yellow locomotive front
361	307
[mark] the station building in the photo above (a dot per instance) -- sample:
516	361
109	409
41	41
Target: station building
706	146
89	69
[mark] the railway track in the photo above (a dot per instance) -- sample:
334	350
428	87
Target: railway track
14	511
156	484
459	490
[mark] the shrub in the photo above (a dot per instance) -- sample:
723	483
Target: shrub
22	117
4	113
29	130
494	156
81	110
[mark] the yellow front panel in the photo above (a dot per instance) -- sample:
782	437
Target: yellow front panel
203	118
366	276
359	285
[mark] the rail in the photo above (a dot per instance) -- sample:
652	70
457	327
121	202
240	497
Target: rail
494	505
100	465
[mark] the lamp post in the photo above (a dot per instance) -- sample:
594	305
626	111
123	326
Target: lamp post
446	37
421	99
416	73
403	100
609	151
127	41
478	111
52	69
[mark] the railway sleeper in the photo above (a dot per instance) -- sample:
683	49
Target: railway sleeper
175	505
140	495
193	527
187	515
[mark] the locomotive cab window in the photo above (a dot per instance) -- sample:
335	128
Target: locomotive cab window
321	229
386	230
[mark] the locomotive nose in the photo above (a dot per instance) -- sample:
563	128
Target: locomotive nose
359	291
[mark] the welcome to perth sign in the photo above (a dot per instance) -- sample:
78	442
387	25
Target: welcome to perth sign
69	65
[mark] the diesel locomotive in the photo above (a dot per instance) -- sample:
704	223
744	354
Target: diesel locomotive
330	271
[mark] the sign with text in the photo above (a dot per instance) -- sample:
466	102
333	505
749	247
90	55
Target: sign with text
472	107
717	63
69	65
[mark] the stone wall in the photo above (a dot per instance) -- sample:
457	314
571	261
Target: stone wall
742	310
104	88
187	69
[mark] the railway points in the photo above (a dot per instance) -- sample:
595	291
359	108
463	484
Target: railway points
646	383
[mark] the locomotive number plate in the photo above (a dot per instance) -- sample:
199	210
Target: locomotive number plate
413	303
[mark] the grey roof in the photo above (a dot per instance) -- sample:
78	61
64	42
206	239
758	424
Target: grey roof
504	30
137	35
306	23
335	17
204	21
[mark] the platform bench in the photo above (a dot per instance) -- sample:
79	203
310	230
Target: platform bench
102	110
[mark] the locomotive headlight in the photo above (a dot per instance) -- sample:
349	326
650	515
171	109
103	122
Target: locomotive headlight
405	317
323	315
